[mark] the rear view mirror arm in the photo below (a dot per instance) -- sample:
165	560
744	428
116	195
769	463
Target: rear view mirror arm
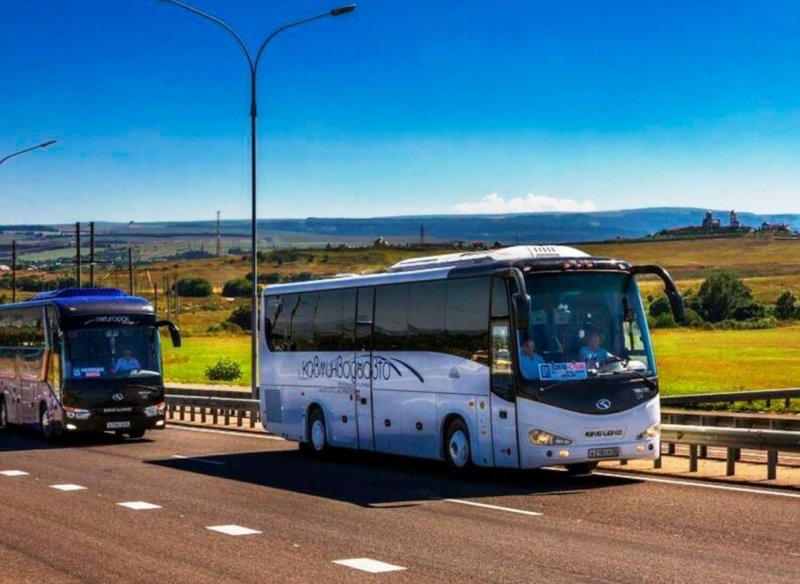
676	302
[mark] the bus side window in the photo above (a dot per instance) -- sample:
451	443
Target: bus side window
502	372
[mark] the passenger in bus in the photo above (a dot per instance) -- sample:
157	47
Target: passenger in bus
127	362
592	353
530	360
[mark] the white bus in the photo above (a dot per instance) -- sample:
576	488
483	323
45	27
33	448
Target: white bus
428	359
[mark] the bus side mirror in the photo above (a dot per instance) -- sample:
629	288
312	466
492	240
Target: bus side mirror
676	302
174	331
520	300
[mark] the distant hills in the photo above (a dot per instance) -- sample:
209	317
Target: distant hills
523	227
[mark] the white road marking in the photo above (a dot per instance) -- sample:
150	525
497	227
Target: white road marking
227	433
193	459
68	487
368	565
493	507
233	530
13	473
139	505
697	484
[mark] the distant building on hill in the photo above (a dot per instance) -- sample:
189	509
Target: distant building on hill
775	227
709	222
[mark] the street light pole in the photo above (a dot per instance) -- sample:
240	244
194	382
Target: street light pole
42	145
253	64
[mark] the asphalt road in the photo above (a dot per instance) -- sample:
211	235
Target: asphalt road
507	527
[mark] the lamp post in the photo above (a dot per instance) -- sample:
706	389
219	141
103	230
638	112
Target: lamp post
42	145
253	64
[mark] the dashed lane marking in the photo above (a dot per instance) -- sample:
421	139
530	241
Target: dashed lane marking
194	459
697	484
233	530
493	507
369	565
139	505
13	473
68	487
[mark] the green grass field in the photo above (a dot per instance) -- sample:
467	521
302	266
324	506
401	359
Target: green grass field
689	360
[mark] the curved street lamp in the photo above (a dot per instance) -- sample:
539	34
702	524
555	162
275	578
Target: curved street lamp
42	145
253	64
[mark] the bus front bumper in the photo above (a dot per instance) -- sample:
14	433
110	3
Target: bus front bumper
122	424
539	456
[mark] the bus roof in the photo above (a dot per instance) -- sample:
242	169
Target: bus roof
80	301
439	267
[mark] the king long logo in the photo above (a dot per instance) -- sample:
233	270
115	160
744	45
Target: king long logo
377	367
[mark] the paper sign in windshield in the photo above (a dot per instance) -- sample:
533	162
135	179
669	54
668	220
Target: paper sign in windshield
562	371
89	371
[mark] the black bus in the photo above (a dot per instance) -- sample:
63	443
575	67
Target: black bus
82	360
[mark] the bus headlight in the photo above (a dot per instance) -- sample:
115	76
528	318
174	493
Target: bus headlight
77	414
652	432
157	410
542	438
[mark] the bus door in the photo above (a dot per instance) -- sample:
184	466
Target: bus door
504	407
363	367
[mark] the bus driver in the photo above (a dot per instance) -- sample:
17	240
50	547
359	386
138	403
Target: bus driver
127	362
592	353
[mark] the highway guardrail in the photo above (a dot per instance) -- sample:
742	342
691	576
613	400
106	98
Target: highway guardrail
733	396
225	411
734	440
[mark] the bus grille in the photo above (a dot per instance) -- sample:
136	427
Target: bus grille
272	405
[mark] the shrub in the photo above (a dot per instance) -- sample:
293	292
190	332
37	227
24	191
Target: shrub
225	369
194	287
265	278
659	307
224	327
664	320
787	306
752	311
241	317
747	325
721	296
237	288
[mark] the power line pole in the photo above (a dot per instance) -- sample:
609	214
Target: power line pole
78	252
130	272
219	240
91	254
14	271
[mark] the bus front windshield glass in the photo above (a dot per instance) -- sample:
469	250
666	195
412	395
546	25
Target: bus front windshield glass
112	353
583	325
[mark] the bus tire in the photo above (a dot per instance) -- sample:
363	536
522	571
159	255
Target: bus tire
581	468
317	434
457	449
46	426
3	413
136	434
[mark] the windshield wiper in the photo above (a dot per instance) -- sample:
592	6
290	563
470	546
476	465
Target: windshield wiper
625	364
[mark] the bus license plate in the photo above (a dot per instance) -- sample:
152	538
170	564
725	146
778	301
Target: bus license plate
603	452
117	425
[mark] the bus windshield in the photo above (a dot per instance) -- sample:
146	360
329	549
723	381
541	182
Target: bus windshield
583	325
112	353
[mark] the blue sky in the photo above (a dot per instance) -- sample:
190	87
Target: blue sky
401	107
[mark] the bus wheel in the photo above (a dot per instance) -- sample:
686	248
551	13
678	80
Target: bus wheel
45	424
457	448
581	468
317	436
136	434
3	413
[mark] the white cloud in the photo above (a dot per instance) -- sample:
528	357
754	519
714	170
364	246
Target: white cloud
530	203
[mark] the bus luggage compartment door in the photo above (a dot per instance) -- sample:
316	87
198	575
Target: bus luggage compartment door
363	398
